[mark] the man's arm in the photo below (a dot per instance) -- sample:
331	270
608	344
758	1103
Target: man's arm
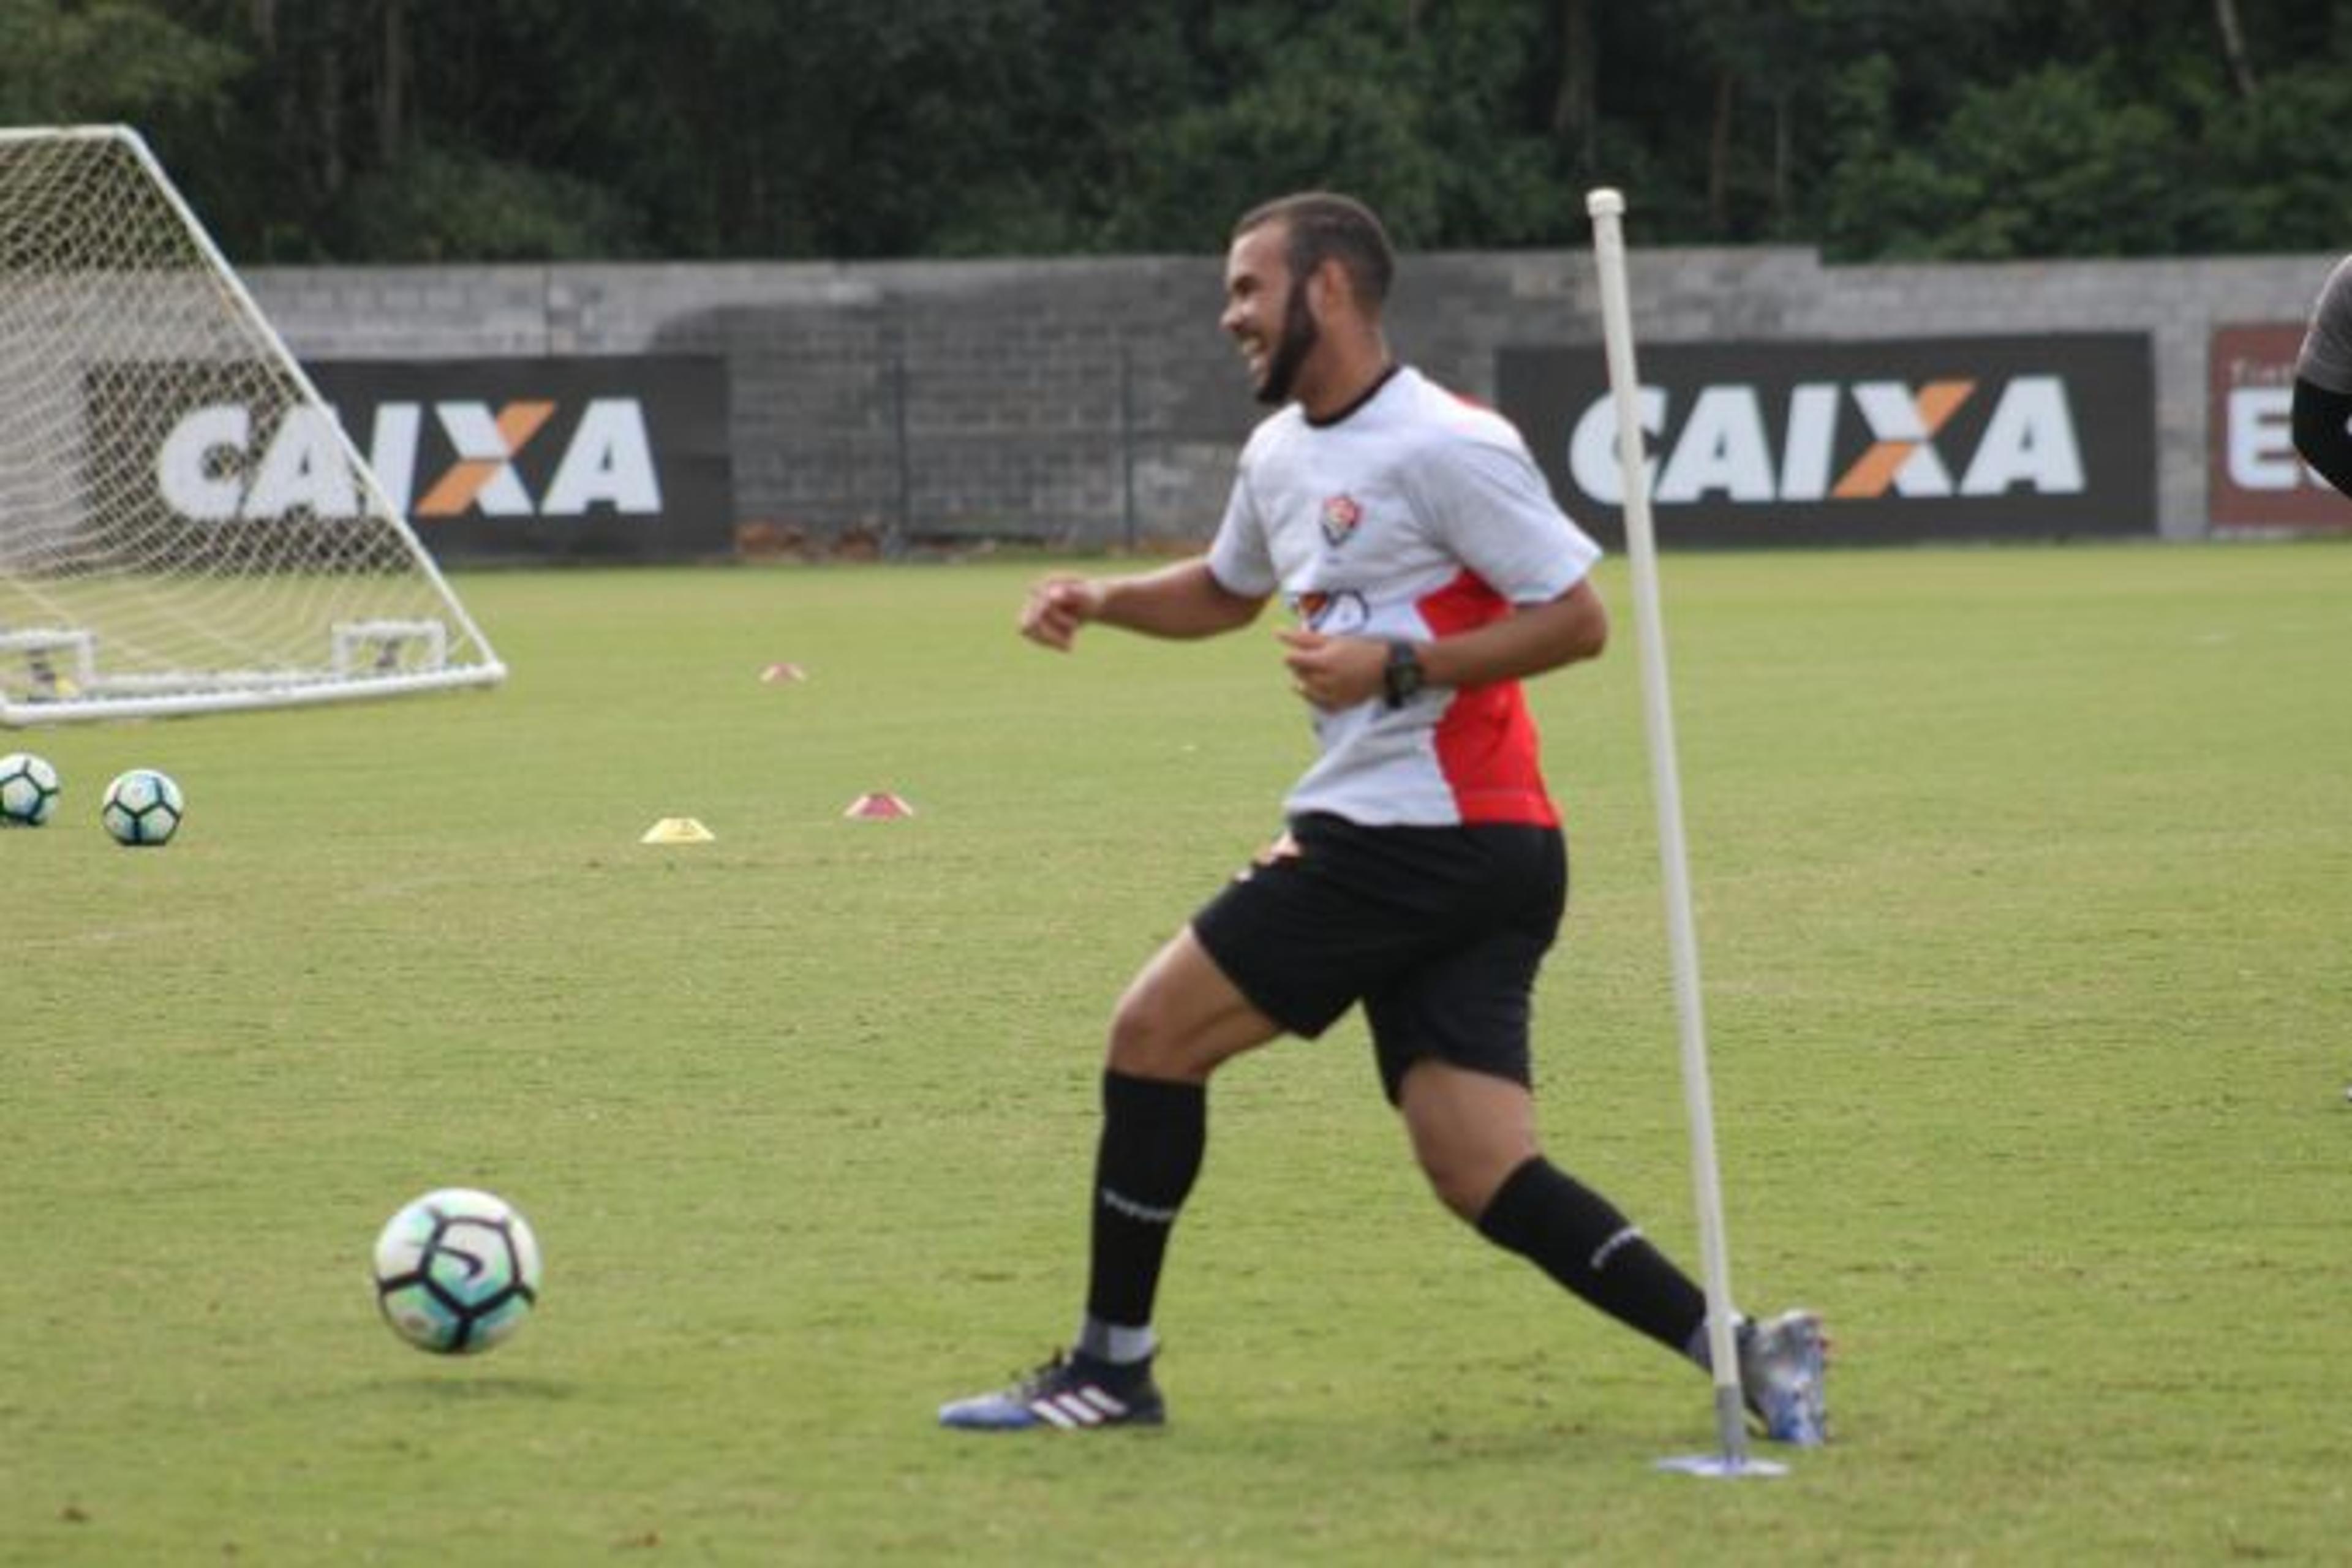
1184	600
2321	418
1339	672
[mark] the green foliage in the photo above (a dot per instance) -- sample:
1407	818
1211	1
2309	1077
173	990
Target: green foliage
438	205
2118	137
2049	163
65	63
1411	107
2273	177
357	130
2021	883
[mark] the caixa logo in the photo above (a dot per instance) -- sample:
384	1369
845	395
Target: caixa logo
1856	441
218	463
1724	444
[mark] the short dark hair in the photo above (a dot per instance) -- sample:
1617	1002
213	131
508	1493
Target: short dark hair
1323	226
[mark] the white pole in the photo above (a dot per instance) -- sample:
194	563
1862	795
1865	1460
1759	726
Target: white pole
1607	208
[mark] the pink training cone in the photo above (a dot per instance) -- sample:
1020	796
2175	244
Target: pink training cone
879	804
781	672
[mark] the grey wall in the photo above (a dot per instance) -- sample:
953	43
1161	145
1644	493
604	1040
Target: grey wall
1086	400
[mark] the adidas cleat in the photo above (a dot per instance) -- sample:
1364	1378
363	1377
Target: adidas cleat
1072	1394
1782	1365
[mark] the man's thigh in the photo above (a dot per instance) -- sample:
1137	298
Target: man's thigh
1304	935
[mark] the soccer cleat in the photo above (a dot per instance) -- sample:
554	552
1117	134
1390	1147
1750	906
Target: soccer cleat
1783	1364
1068	1393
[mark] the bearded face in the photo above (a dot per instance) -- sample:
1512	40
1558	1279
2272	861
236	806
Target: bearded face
1299	334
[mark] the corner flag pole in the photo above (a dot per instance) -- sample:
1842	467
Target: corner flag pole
1607	209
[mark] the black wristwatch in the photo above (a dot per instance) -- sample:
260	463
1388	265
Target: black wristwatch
1404	675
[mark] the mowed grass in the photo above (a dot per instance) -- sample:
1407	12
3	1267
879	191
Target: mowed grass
2022	880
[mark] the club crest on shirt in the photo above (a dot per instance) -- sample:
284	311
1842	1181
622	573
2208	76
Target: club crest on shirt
1339	612
1341	516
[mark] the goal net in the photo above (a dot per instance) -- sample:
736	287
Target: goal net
184	526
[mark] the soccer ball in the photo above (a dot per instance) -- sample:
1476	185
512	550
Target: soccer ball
28	790
143	808
456	1271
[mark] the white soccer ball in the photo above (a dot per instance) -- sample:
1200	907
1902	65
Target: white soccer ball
143	808
28	790
456	1271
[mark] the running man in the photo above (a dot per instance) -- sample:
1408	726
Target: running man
1424	871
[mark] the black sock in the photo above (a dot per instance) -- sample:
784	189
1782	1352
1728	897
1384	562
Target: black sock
1574	1234
1153	1135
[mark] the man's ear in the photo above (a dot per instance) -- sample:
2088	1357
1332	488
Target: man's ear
1327	285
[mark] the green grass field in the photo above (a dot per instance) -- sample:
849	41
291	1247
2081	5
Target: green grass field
2022	880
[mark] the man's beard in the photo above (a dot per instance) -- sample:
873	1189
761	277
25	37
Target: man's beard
1300	335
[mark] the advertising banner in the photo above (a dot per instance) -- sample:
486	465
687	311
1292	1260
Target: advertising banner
1883	441
605	458
2256	479
619	458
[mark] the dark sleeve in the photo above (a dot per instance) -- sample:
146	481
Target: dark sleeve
2321	418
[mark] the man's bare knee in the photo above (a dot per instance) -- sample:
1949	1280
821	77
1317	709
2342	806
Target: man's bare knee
1469	1133
1464	1188
1182	1017
1146	1043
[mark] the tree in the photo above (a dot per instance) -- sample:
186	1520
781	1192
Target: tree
410	130
63	63
2234	46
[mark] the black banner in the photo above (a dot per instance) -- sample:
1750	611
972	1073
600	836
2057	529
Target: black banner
1850	443
620	458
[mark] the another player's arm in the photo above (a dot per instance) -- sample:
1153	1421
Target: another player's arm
1339	672
1184	600
2321	418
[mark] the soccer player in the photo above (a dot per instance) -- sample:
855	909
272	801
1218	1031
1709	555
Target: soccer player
1424	873
2322	383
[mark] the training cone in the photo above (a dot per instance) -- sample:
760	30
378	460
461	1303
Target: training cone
777	673
881	804
677	830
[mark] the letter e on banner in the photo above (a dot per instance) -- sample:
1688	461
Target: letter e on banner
2254	476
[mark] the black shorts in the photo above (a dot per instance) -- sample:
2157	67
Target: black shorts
1438	931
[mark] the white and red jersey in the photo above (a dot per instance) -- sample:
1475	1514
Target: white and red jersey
1416	515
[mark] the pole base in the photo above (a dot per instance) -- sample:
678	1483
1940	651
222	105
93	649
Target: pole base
1725	1467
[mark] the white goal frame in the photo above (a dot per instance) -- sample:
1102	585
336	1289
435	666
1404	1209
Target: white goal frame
111	603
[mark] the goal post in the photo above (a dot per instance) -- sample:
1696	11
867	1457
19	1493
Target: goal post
184	525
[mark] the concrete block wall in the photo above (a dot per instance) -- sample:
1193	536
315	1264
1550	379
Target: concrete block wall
1092	401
